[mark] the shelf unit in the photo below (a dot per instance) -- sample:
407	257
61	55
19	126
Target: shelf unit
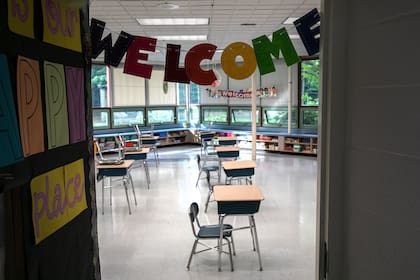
279	143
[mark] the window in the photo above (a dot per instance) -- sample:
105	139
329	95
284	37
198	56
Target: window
126	117
309	82
309	117
215	115
194	115
242	115
101	118
278	117
99	84
161	115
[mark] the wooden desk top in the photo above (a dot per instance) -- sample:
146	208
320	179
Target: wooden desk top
237	193
126	164
227	149
238	164
225	138
143	150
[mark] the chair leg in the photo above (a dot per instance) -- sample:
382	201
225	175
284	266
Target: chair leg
192	253
230	253
208	200
198	179
233	244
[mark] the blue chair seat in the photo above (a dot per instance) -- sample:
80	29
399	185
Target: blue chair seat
213	231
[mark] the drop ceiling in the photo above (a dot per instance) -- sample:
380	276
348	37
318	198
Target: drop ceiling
229	20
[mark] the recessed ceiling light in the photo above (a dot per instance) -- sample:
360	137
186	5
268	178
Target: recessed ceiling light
173	21
167	6
181	37
290	20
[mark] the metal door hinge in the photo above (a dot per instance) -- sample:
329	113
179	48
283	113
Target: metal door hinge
326	260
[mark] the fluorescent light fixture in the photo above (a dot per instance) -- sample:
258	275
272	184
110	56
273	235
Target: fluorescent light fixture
290	20
294	36
181	37
173	21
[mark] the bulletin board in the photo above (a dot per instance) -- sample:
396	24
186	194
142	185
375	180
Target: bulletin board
46	163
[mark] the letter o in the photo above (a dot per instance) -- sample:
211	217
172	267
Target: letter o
228	60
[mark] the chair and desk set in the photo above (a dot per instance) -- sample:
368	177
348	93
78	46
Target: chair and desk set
130	154
232	200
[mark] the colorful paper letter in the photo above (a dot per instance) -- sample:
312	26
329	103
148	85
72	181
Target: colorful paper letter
233	69
56	105
9	131
174	73
30	106
307	32
21	17
131	65
113	54
76	103
263	48
58	196
193	59
62	24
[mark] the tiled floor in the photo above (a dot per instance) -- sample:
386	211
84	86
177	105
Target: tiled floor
155	241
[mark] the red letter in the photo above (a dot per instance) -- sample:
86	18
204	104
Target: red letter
174	73
192	64
132	65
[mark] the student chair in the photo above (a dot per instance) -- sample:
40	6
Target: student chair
206	232
204	168
149	142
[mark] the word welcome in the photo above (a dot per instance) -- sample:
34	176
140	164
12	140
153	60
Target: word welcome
261	92
259	54
57	197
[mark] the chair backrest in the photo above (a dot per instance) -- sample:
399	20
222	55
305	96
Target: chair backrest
193	213
138	133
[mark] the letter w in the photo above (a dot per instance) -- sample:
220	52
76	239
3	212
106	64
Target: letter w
113	54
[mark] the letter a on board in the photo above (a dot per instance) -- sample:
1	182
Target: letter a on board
9	132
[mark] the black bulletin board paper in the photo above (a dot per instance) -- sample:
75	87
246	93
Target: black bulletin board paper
70	252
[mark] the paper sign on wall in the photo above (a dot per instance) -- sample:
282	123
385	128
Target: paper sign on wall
61	24
9	131
29	101
58	196
56	103
76	103
21	17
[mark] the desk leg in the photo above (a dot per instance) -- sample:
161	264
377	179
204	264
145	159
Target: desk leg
103	194
146	170
256	241
252	232
126	194
132	187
